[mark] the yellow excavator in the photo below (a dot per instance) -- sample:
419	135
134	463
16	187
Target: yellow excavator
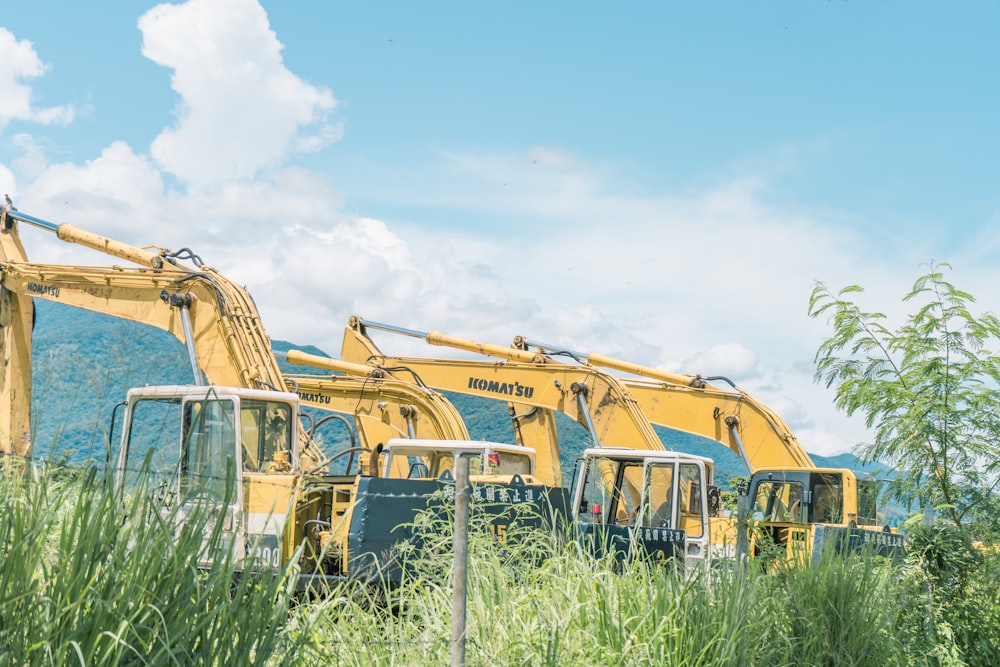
235	422
626	464
380	409
406	472
801	508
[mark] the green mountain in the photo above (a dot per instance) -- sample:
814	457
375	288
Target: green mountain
83	365
85	362
487	419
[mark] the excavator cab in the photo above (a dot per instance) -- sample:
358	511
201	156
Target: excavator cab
231	443
215	449
504	491
434	459
654	501
802	512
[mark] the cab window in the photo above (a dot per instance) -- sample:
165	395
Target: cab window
827	499
612	492
208	449
778	501
265	428
690	504
153	436
867	502
441	462
659	495
508	463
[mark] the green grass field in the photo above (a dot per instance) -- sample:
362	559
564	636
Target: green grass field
88	578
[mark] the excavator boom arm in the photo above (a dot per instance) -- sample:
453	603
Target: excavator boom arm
688	403
228	339
732	418
590	396
383	408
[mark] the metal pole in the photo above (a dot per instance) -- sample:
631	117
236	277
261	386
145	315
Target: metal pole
444	340
182	302
72	234
733	425
32	220
742	530
460	567
409	413
580	390
368	324
189	342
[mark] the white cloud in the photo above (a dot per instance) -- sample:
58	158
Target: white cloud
308	266
32	160
241	109
117	193
732	360
8	184
19	63
823	442
685	270
712	281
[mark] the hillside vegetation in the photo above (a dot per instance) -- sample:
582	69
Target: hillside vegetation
85	362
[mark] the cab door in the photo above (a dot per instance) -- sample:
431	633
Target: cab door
656	526
209	472
182	451
692	510
613	511
675	500
599	513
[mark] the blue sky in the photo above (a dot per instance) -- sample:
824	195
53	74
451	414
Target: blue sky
651	180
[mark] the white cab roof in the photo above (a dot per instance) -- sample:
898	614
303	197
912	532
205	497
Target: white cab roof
416	445
652	455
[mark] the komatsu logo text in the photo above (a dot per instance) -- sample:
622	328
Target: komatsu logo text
515	389
314	398
43	290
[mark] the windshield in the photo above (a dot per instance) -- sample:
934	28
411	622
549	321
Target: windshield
265	428
690	504
190	447
659	492
208	448
827	499
500	463
424	463
868	502
154	436
778	501
611	492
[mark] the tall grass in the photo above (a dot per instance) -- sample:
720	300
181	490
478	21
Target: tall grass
573	610
842	611
87	578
